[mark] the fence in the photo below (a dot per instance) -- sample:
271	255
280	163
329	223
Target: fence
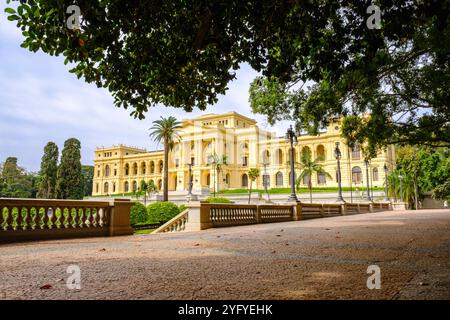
35	219
212	215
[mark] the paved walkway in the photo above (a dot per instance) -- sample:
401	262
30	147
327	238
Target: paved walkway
324	258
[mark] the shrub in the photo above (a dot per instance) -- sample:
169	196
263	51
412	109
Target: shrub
182	207
138	213
162	211
218	200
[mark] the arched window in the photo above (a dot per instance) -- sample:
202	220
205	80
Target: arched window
143	168
135	168
107	170
115	172
127	169
208	179
279	156
306	152
96	187
152	167
134	186
227	178
375	174
126	186
106	187
279	179
356	175
356	152
244	180
321	178
114	187
159	184
161	166
320	152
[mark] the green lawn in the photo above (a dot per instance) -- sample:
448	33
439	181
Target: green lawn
288	190
144	231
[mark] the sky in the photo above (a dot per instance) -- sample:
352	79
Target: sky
41	101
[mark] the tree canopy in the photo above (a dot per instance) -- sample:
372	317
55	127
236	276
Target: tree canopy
319	59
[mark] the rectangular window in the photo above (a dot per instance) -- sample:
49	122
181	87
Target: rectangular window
244	161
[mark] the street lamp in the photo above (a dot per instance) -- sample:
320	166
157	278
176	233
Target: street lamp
266	180
401	187
337	154
367	179
290	135
387	182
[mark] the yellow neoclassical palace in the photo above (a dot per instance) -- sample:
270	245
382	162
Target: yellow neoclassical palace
120	169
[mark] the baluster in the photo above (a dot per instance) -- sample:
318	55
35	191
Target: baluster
37	219
2	220
82	220
9	219
58	214
69	219
106	216
28	221
98	217
53	217
91	217
46	218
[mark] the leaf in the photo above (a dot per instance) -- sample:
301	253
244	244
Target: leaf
13	17
10	10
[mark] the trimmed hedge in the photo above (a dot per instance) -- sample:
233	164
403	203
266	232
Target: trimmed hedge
160	212
218	200
138	213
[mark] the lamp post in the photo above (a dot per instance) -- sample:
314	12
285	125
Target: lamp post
190	196
400	178
290	135
386	188
212	161
337	154
266	180
367	179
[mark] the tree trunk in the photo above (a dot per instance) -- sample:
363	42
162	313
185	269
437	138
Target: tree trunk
250	191
166	171
218	179
310	191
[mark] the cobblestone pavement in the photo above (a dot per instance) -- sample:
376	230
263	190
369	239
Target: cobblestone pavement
314	259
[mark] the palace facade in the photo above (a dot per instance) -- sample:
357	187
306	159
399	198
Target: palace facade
120	169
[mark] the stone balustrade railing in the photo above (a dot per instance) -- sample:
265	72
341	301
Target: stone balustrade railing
176	224
36	219
210	215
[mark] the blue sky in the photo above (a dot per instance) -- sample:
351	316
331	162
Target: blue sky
41	101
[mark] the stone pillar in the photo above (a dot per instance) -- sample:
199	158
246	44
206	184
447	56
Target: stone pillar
119	220
298	211
198	217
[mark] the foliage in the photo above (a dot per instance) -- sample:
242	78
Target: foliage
442	191
162	211
182	207
184	54
218	200
166	130
48	171
218	162
70	184
88	178
253	174
15	182
308	167
430	166
138	213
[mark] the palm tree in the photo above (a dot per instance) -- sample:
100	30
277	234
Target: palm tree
253	174
309	167
166	131
218	162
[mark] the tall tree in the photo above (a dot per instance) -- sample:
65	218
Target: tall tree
308	168
183	54
15	182
218	162
88	178
48	172
70	181
166	131
253	174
